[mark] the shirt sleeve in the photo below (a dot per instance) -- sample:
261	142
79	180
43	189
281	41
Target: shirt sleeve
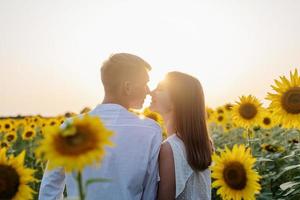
152	175
53	184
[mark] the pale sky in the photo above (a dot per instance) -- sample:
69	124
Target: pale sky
51	50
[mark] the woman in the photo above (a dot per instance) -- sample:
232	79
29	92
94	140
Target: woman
186	154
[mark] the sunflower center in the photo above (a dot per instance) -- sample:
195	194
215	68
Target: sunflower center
248	111
28	134
4	145
267	121
228	107
220	118
235	175
74	144
7	126
10	138
291	100
9	182
220	111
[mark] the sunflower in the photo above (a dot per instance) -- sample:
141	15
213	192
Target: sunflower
53	122
1	126
43	123
76	144
285	103
35	119
227	127
266	120
7	125
221	119
28	133
247	112
153	115
272	148
14	177
156	117
234	175
294	141
4	144
11	136
61	119
228	107
21	123
209	114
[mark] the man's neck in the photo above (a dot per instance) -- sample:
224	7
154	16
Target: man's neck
112	100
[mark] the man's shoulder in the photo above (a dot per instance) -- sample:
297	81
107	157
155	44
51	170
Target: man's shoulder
144	122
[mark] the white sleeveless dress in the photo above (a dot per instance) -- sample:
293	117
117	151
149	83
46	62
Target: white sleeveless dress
190	185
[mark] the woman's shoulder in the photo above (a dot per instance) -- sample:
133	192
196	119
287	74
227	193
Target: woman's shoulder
166	149
176	144
173	139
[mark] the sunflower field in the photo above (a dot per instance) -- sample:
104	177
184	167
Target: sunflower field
257	148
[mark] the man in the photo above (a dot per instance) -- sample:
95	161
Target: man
131	166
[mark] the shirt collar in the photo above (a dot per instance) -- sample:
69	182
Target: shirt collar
110	106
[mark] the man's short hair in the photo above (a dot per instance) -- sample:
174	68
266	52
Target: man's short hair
120	67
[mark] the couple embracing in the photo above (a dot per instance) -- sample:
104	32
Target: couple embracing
141	166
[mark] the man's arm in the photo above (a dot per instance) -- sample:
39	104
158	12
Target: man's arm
152	176
53	184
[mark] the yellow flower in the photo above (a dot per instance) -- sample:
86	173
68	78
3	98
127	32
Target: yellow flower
35	119
267	120
247	112
32	125
1	126
234	175
7	125
11	136
209	114
77	144
61	120
228	107
153	115
220	110
4	144
272	148
53	122
21	123
285	103
28	133
156	117
227	127
221	119
14	177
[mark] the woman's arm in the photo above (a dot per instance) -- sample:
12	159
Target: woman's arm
167	185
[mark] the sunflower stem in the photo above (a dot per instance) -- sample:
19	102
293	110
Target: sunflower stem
249	140
80	188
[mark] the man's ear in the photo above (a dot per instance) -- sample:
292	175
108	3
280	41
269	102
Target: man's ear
127	88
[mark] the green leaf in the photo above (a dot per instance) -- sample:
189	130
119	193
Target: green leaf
288	185
264	160
286	169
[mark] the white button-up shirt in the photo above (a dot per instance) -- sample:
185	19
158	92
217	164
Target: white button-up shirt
131	165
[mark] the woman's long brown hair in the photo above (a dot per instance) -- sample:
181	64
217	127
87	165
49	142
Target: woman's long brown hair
190	118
